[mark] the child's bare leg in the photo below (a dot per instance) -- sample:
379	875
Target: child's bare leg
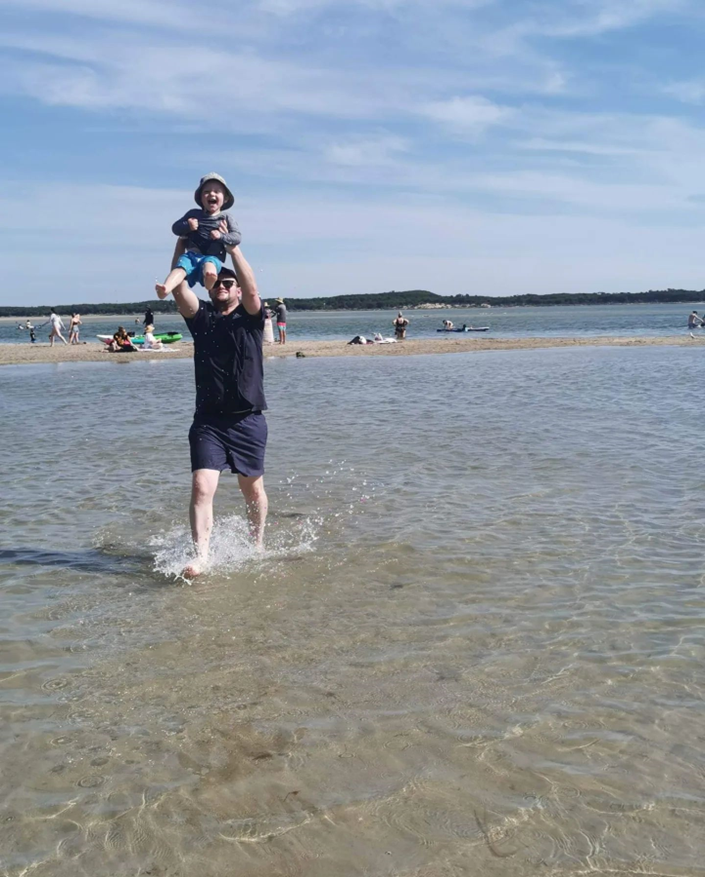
210	275
177	276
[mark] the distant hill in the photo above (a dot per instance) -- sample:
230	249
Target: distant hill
393	300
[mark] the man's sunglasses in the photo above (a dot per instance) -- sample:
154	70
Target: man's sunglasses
228	284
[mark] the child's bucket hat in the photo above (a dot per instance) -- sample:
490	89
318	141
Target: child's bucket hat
228	201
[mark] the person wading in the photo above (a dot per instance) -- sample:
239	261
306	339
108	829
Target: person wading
229	430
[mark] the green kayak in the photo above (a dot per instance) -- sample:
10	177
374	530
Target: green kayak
164	337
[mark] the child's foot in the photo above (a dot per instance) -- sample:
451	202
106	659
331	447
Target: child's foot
162	291
209	280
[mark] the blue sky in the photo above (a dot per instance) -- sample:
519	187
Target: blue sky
463	146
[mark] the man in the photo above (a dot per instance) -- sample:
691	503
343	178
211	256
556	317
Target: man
694	320
229	430
281	320
148	318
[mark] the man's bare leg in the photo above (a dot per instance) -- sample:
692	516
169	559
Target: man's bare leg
204	484
257	504
176	276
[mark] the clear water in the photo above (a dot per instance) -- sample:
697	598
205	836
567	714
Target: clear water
503	322
475	646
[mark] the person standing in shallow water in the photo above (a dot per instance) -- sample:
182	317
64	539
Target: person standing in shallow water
400	325
229	430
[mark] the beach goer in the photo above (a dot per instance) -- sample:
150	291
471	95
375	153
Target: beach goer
447	325
32	335
121	342
229	430
74	328
281	320
268	335
209	231
694	320
57	325
150	342
148	318
400	324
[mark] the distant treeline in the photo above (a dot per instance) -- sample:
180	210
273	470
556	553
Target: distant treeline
391	301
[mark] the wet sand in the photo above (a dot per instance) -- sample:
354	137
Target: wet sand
20	354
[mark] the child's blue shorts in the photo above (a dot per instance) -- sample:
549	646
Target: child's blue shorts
192	263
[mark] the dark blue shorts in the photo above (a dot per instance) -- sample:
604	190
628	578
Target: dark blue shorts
236	442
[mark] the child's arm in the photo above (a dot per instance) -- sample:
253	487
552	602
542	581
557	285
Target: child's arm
182	227
232	237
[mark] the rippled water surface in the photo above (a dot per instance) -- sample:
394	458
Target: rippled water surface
475	644
658	319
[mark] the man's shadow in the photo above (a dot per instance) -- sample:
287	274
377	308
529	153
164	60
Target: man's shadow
96	560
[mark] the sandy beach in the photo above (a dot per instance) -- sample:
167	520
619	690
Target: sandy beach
21	354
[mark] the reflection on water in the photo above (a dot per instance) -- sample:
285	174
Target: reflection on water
475	645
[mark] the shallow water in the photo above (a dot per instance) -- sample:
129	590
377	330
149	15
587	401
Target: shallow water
666	319
474	646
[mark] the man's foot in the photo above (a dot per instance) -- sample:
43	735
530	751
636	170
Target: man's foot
162	291
192	571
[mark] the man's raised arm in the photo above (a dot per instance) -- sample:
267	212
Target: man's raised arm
246	282
186	299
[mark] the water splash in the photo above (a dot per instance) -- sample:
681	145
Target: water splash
231	546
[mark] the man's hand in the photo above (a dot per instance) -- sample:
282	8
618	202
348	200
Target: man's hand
193	223
220	231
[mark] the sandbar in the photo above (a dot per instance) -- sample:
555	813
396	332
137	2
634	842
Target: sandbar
21	354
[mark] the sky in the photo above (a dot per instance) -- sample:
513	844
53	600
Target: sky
488	147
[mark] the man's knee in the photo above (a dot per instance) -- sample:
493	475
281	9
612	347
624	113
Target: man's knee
204	484
252	488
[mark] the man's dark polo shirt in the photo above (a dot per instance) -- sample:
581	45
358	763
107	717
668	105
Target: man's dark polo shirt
228	360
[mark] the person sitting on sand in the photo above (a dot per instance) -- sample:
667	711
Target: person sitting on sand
150	342
121	342
209	232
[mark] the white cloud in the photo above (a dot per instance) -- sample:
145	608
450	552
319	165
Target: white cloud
466	114
351	120
338	244
688	92
366	152
158	13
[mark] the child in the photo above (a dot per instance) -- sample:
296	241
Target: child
206	241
